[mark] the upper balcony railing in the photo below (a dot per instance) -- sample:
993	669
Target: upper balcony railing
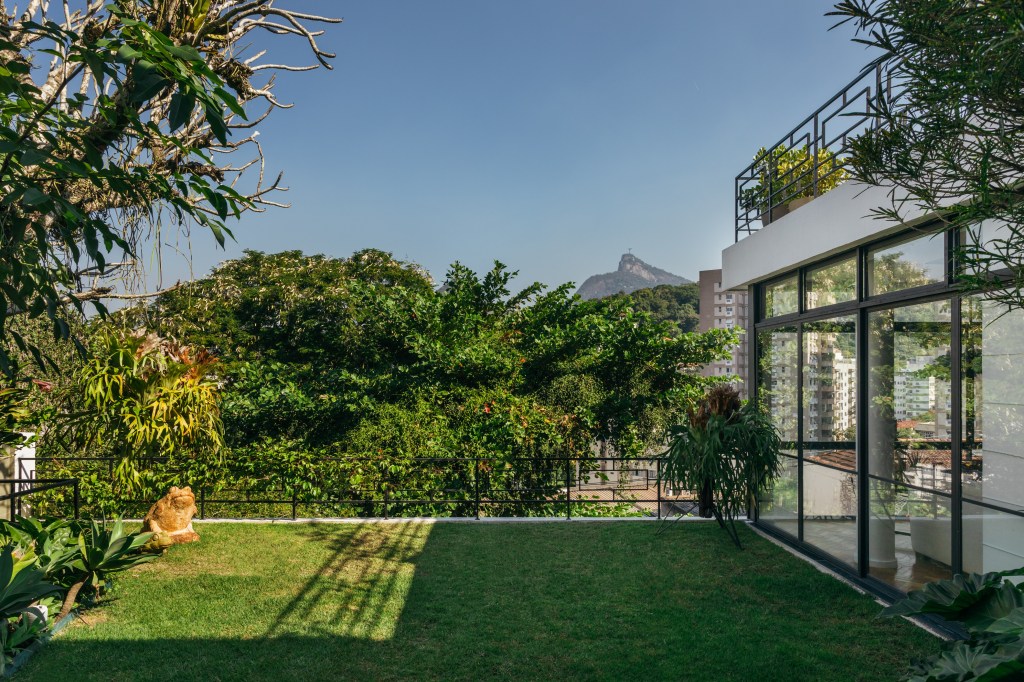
811	159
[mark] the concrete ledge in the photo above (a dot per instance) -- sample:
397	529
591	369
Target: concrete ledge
467	519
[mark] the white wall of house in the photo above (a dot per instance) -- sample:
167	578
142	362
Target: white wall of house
1002	535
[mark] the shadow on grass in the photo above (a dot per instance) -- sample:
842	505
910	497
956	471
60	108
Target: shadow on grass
494	601
380	565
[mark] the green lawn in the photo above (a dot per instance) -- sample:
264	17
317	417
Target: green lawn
558	601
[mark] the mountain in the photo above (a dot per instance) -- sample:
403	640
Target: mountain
633	274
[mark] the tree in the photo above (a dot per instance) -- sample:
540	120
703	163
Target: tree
677	304
337	374
131	125
949	137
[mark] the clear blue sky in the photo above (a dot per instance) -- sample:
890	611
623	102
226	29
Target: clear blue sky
552	135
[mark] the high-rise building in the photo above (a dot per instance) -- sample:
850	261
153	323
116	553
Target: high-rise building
724	309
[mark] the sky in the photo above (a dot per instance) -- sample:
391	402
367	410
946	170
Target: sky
552	135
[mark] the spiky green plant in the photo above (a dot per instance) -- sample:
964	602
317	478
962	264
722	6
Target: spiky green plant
727	452
104	551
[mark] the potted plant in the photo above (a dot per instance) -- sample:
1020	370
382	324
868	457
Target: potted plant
786	180
728	452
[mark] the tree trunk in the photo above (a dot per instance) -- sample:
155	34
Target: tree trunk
72	595
705	500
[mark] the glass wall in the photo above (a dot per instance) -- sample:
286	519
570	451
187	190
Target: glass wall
914	262
902	408
778	386
828	436
992	453
830	284
781	298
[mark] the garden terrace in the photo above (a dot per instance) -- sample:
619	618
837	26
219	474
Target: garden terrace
470	601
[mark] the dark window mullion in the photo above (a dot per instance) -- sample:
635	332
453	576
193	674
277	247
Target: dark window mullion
800	431
956	437
863	491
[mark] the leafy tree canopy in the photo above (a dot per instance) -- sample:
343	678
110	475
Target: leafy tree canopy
315	348
950	136
118	121
678	305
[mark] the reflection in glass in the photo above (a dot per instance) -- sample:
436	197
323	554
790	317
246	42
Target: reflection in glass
830	504
915	535
913	263
908	424
992	369
779	504
780	298
993	540
778	378
909	394
830	383
987	245
831	284
829	432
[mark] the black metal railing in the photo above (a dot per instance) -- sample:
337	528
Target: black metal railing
16	501
810	159
465	487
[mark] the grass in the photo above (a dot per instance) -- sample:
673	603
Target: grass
600	601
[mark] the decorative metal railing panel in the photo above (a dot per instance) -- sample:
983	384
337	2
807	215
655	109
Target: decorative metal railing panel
811	159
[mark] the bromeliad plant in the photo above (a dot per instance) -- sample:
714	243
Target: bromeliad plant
990	608
147	397
727	452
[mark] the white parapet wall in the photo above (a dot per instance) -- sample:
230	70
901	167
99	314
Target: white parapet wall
16	462
831	224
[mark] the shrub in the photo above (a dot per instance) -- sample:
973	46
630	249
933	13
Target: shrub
991	610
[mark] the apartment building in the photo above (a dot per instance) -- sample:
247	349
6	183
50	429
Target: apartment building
724	309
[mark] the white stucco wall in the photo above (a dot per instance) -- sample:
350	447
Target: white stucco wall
1002	408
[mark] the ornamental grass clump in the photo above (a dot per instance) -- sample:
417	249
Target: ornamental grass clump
728	452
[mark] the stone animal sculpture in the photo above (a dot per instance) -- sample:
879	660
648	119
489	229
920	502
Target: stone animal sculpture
170	519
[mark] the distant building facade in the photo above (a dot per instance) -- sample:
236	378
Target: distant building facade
724	309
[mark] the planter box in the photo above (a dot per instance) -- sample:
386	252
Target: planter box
777	213
798	202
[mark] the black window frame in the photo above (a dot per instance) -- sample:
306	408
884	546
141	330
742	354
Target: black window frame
860	308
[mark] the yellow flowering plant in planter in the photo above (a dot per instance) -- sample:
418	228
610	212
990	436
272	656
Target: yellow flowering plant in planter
786	179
